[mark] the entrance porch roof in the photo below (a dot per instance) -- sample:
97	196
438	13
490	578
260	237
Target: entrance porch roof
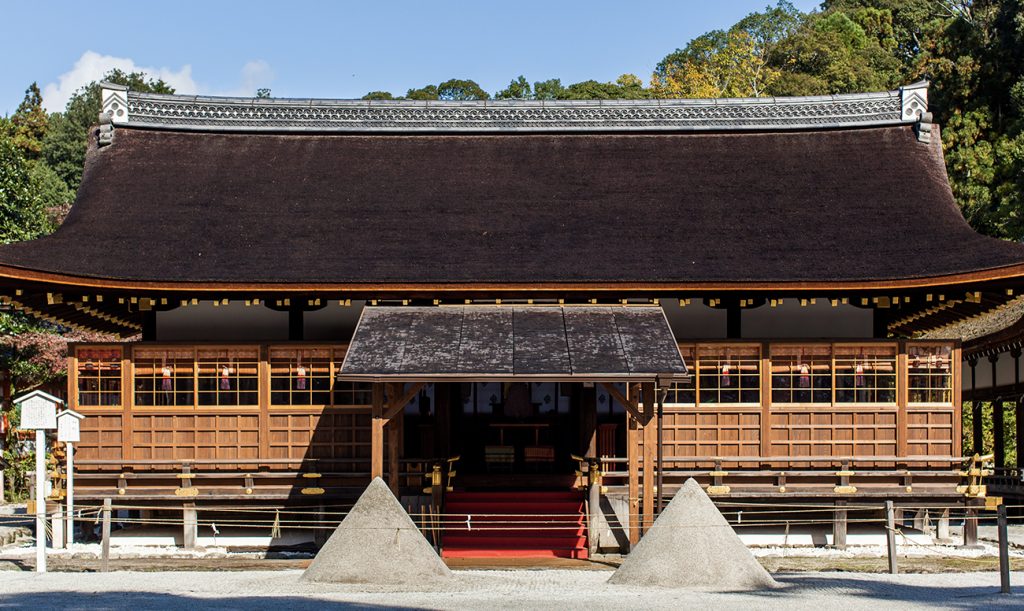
536	343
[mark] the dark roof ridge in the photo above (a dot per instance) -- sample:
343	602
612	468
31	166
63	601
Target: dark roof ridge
906	105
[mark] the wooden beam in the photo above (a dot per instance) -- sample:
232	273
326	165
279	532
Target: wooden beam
377	432
650	450
631	404
397	400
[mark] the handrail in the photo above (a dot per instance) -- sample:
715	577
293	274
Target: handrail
799	459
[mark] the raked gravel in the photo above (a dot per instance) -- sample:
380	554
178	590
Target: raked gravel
521	589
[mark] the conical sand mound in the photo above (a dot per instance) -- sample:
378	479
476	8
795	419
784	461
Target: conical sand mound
691	545
377	543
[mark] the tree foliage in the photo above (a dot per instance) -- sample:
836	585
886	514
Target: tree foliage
66	141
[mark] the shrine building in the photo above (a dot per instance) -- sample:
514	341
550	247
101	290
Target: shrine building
494	303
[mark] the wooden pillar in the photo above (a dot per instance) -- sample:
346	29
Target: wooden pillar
839	523
977	431
650	455
1018	408
997	418
633	454
190	525
733	321
971	524
998	434
377	432
588	420
394	439
902	398
149	326
443	419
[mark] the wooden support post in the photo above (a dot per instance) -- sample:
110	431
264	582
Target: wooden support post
1004	552
377	432
105	541
650	456
977	431
1018	407
322	532
998	435
57	527
971	525
839	522
594	506
633	454
942	528
394	452
890	536
190	526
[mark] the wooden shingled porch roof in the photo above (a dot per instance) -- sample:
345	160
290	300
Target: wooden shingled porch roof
532	343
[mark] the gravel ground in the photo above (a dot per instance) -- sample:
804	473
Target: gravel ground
521	589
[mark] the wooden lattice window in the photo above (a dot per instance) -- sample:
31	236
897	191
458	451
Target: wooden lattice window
300	376
684	393
228	377
353	394
729	374
99	377
801	374
164	377
930	374
865	374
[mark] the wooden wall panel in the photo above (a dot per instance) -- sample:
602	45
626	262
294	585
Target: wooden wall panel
931	432
101	438
191	436
830	431
690	432
340	438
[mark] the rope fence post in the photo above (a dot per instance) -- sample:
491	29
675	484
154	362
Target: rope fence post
890	536
105	554
1004	552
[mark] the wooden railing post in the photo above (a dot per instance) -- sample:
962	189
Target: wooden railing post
105	533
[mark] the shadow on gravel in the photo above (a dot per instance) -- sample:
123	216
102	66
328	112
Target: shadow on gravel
147	600
884	591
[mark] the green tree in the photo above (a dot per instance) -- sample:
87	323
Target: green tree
378	95
461	89
29	122
424	93
550	89
23	214
518	89
65	143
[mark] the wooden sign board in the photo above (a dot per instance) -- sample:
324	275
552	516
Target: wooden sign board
38	412
69	426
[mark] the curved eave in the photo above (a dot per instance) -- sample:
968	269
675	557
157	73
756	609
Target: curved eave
1000	274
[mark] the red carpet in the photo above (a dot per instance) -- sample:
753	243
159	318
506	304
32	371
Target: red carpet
515	525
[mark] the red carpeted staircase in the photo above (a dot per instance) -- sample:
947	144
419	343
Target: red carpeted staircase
530	525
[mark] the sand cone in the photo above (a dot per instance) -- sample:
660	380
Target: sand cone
691	545
377	543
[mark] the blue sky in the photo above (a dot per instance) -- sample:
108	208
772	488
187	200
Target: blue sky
344	49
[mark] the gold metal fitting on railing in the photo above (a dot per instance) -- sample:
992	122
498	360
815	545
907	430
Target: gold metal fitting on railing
975	471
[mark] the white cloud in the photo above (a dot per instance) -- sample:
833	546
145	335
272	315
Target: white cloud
255	74
92	66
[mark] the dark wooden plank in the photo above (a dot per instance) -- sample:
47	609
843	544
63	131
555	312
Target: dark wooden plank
379	341
539	344
647	341
432	341
487	344
593	339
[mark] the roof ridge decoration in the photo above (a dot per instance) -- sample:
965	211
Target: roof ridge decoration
906	105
